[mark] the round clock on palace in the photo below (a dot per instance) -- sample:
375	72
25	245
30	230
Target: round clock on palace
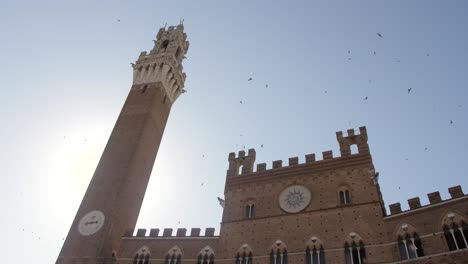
91	222
294	199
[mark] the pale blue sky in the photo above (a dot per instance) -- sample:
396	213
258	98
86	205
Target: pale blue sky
66	73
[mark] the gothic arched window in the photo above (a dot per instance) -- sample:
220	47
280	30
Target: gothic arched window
315	255
250	210
355	253
174	256
244	258
164	45
456	235
279	254
142	256
410	247
206	256
345	197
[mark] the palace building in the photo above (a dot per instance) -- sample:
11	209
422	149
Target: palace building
326	210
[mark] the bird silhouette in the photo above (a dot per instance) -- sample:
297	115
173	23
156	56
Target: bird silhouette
240	101
118	20
349	59
266	85
451	122
380	35
349	52
409	90
261	145
250	79
425	148
184	91
375	53
367	97
427	54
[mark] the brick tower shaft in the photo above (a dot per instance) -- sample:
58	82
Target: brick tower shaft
115	194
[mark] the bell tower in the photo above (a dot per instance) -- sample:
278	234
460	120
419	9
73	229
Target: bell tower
115	194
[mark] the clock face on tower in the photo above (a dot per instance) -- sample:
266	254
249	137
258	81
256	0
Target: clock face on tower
91	222
294	199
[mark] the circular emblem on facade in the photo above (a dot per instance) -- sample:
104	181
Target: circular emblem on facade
294	198
91	222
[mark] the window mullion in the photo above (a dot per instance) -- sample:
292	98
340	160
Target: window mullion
463	235
454	239
415	247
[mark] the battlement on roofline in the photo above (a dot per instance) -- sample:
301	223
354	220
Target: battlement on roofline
168	233
244	164
456	192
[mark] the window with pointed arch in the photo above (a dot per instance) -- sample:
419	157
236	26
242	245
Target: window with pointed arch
141	259
345	197
206	256
355	251
456	235
142	256
410	246
244	258
173	256
250	210
315	254
244	255
279	254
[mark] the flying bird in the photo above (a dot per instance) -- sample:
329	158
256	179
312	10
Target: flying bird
380	35
240	101
349	59
425	148
221	202
184	91
118	20
266	85
250	79
261	146
349	52
367	97
409	90
451	122
375	53
203	183
427	54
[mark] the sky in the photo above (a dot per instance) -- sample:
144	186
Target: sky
66	73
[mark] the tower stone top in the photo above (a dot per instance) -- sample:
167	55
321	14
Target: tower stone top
163	64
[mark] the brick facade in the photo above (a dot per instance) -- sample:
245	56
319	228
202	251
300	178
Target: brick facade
336	200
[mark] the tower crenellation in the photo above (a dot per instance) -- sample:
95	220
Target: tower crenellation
244	164
346	142
434	198
163	64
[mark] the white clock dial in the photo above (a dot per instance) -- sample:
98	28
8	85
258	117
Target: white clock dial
294	198
91	222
